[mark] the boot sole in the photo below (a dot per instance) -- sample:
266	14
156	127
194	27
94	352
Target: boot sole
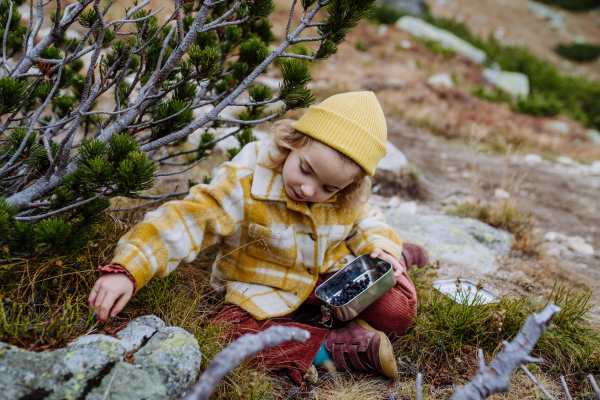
386	351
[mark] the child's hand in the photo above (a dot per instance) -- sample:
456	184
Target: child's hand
108	290
397	266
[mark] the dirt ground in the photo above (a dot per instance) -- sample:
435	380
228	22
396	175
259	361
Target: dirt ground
559	201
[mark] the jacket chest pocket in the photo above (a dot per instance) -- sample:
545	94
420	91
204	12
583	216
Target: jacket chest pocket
276	244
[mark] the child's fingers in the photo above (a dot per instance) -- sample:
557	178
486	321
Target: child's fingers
93	295
99	299
107	304
376	253
120	304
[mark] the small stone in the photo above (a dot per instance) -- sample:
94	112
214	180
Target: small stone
583	248
408	207
405	44
554	237
441	80
532	159
312	375
500	193
595	168
558	127
565	160
394	202
593	135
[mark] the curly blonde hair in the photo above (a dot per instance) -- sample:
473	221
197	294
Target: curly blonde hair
286	139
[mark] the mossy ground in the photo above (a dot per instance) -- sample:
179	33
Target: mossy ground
442	344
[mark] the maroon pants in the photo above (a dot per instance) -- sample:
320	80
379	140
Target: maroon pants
392	313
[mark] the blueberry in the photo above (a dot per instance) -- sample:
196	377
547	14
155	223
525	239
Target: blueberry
32	303
58	289
33	321
6	302
439	344
69	290
481	331
420	351
76	265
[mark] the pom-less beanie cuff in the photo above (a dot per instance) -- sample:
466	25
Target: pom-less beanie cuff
352	123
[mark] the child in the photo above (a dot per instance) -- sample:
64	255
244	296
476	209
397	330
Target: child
287	213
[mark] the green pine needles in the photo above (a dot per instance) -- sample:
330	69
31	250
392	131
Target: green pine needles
75	134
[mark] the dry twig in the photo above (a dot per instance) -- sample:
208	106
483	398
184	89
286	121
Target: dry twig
235	353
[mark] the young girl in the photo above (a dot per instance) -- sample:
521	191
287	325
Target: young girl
287	213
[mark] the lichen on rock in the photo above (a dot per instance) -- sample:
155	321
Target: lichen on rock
166	363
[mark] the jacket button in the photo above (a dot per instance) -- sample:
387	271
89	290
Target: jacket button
313	236
310	271
343	260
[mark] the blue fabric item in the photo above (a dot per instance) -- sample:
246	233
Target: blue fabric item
322	356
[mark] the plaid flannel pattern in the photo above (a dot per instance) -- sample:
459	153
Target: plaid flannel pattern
272	248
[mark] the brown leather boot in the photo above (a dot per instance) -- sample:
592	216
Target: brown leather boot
415	255
358	346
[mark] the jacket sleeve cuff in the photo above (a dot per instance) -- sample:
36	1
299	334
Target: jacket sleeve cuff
116	269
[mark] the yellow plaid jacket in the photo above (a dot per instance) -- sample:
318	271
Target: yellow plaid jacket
272	248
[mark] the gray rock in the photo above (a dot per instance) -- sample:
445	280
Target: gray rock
446	237
422	29
166	366
514	83
394	160
138	330
557	126
441	80
166	363
60	374
593	135
414	7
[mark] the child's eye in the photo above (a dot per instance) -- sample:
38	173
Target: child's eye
305	172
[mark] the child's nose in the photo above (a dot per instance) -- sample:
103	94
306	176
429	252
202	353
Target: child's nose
307	190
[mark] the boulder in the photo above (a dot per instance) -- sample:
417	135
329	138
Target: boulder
514	83
422	29
165	363
450	238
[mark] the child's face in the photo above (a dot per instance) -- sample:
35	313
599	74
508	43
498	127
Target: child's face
315	173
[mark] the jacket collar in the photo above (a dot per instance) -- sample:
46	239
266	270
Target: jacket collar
268	180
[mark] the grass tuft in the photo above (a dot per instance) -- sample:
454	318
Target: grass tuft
446	333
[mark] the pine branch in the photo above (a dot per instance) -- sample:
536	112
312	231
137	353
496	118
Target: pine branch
246	346
182	171
166	196
8	20
253	122
61	210
124	21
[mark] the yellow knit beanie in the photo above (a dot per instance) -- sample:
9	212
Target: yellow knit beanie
352	123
